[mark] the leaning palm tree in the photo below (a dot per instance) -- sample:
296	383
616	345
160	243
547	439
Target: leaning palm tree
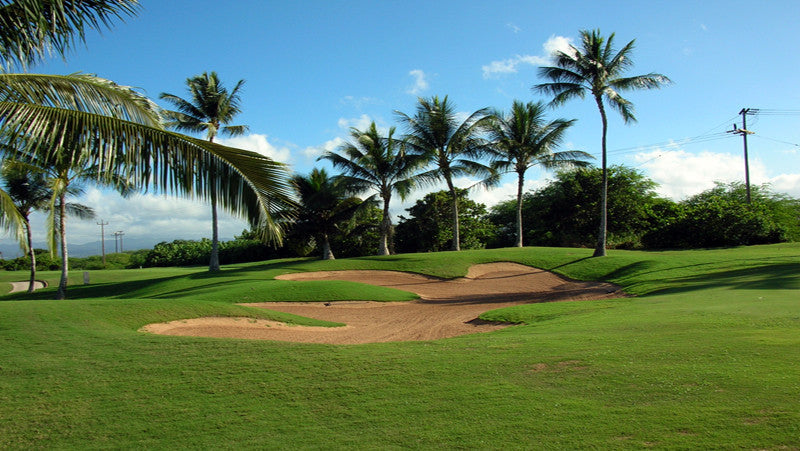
597	68
210	110
324	206
453	147
522	139
380	163
29	190
114	129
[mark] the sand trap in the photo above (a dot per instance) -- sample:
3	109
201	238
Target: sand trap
447	308
16	287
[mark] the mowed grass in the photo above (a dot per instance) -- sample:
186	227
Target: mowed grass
707	355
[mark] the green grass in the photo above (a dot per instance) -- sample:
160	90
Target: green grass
706	356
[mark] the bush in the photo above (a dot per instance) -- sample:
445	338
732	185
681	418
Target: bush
721	216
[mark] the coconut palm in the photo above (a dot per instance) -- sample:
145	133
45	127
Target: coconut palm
597	68
522	139
452	146
210	110
375	162
115	130
324	205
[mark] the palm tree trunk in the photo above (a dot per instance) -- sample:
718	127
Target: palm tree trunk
600	249
61	294
31	254
213	264
386	227
519	207
327	253
456	235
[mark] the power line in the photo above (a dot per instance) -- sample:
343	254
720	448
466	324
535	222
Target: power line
680	142
777	140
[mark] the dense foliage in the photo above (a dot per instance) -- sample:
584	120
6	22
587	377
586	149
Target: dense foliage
564	213
429	225
721	216
244	248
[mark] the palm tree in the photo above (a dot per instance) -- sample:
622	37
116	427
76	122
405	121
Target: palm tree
597	68
453	147
210	109
27	187
374	162
324	206
113	128
522	140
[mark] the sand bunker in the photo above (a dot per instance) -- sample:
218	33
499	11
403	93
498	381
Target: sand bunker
446	308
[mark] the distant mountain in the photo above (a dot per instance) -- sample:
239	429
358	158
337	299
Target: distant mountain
9	251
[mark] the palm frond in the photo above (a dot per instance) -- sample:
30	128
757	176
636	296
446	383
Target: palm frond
80	92
11	221
33	29
256	188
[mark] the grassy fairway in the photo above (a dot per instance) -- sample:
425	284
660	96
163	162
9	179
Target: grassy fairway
707	355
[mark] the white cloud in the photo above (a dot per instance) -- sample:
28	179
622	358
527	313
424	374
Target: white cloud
509	65
151	217
786	183
259	144
515	29
329	146
557	44
358	102
420	82
681	174
362	122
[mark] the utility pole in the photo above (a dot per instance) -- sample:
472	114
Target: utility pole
120	233
103	239
116	247
744	132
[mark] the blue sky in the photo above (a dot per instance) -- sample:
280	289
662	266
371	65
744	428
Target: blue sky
315	68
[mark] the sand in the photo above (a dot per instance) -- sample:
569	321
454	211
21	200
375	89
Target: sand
446	308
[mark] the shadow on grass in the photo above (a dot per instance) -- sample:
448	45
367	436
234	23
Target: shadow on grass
778	276
93	291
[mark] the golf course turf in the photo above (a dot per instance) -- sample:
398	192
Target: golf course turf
705	355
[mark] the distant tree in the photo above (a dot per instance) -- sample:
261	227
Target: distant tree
379	163
597	68
722	216
211	108
563	212
324	207
428	227
361	235
522	139
454	147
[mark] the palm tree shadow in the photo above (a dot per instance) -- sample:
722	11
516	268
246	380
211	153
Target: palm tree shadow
777	276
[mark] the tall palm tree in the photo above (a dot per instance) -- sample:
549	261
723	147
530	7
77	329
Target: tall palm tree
522	139
597	68
380	163
113	128
210	110
28	189
324	205
453	147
